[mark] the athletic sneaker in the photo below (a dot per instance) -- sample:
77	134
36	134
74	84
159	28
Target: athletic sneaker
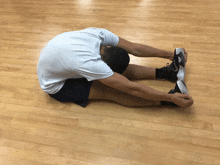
179	54
176	70
180	88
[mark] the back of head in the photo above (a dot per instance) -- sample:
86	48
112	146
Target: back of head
116	58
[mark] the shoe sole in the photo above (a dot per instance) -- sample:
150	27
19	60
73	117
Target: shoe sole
182	87
180	54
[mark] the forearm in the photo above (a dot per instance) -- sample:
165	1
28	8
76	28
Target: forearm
148	51
121	83
148	93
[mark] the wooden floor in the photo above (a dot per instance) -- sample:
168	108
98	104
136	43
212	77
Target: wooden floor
37	130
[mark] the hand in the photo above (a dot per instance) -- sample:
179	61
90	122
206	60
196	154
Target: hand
182	100
172	55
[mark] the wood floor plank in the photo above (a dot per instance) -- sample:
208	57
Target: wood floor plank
151	144
68	153
188	119
31	156
37	130
8	160
121	153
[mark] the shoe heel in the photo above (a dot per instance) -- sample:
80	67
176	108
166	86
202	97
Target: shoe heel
182	87
181	73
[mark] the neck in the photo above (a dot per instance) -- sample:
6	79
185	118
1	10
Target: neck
102	50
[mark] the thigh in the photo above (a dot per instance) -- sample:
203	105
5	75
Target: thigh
100	91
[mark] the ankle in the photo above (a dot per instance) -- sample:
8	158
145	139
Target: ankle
161	74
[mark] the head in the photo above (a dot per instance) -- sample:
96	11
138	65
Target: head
116	58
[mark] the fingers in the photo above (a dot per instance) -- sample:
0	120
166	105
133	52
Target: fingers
183	100
189	102
186	55
186	102
184	96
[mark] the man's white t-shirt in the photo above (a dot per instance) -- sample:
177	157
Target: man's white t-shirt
74	55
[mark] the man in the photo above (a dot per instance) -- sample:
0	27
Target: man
94	64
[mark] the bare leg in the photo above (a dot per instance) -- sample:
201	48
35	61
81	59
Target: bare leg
136	72
100	91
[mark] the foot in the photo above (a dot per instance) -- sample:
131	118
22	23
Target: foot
179	54
176	70
180	88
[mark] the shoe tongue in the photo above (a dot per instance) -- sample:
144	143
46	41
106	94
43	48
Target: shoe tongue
176	89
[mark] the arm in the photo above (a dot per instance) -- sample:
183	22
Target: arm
121	83
141	50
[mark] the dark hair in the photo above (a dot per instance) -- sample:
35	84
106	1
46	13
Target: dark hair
116	58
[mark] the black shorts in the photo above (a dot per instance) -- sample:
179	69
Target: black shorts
74	90
77	90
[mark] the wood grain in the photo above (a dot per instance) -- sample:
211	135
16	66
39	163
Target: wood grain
37	130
